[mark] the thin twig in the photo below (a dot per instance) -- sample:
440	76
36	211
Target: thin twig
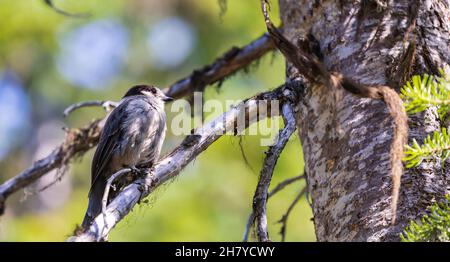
107	105
278	188
272	155
285	217
108	187
77	142
244	156
59	174
248	226
307	193
285	183
62	12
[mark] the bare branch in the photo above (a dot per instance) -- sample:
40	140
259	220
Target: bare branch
248	226
285	217
278	188
77	142
272	155
223	8
107	105
108	187
171	165
60	11
244	156
88	136
59	174
285	183
232	61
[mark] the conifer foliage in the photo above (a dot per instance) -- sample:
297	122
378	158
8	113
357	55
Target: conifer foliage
418	95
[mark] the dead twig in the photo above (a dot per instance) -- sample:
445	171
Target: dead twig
272	155
77	142
107	105
278	188
285	183
62	12
285	217
108	187
244	156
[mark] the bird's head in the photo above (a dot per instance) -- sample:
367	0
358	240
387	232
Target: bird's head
149	91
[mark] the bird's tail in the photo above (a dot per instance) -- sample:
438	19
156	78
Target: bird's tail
95	203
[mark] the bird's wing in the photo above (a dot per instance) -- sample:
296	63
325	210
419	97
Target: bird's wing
108	139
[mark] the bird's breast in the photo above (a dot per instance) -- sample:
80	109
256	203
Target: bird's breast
152	145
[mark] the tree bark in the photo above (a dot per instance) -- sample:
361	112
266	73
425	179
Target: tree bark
346	145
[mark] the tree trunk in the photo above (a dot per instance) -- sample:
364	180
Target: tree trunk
346	146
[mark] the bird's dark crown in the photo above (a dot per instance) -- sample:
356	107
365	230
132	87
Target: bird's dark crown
137	90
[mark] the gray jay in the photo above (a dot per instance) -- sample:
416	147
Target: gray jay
132	137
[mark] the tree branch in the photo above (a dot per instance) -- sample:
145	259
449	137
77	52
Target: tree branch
78	141
171	165
285	217
232	61
278	188
62	12
107	105
272	155
285	183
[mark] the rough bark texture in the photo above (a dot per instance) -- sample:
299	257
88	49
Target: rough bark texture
346	145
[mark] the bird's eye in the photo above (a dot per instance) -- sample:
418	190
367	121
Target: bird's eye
153	91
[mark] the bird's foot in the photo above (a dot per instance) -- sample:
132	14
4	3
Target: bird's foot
143	188
135	171
142	171
149	181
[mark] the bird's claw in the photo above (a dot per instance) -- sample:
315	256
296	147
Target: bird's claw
142	188
147	184
135	171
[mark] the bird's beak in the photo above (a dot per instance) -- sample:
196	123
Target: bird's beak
167	98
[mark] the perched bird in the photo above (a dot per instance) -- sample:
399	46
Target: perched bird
132	137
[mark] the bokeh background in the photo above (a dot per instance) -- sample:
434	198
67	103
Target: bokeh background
49	61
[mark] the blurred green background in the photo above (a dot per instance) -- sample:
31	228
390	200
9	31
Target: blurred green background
49	61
